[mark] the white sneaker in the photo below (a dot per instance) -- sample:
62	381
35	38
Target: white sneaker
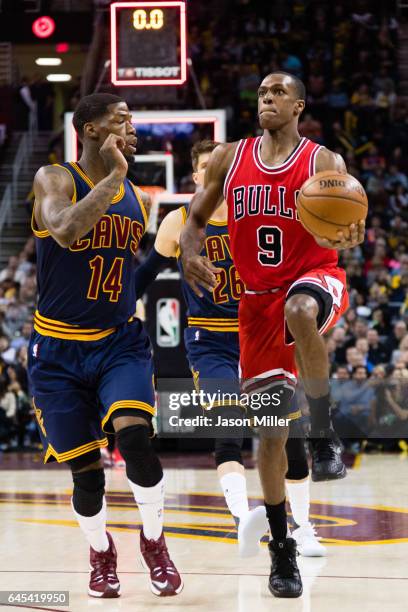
251	528
307	542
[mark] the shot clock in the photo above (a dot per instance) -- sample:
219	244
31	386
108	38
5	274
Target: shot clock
148	43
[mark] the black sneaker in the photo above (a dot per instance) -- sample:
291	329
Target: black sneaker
284	580
326	449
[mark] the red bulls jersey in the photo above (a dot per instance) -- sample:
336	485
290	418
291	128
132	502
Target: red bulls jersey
269	245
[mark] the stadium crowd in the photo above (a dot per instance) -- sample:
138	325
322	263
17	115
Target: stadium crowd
347	59
346	53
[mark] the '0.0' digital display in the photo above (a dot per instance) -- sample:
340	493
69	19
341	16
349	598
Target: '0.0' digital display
148	43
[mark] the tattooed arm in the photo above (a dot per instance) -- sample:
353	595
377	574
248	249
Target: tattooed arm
53	191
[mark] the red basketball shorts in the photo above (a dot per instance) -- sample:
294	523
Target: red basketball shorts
267	350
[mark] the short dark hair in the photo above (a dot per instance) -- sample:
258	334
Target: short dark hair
92	107
200	147
299	85
339	366
359	367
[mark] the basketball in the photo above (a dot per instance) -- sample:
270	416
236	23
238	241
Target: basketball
330	201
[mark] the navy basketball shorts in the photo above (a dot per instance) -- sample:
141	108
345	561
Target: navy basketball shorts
214	363
78	385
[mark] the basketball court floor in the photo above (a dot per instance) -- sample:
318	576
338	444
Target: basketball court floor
363	520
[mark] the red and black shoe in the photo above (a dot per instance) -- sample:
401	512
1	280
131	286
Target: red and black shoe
103	581
117	459
164	577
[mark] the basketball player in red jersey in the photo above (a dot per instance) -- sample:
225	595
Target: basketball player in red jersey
294	289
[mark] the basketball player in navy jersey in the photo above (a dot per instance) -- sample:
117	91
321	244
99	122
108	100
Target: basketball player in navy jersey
294	289
212	344
211	340
88	355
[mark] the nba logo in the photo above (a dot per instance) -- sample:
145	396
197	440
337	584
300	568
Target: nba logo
168	322
35	350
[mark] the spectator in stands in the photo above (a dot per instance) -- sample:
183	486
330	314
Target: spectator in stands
23	338
24	104
362	104
363	348
356	331
398	333
385	98
378	374
16	315
356	409
291	63
340	375
354	359
375	182
10	271
395	178
20	366
383	81
311	128
402	351
339	338
42	92
6	352
338	100
399	200
396	397
28	292
8	414
377	351
380	323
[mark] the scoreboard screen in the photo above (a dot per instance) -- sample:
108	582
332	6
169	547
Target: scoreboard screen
148	43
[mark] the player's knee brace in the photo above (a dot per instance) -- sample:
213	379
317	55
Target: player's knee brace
89	489
84	460
298	468
228	449
142	464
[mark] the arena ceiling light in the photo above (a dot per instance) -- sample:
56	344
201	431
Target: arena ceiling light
58	78
48	61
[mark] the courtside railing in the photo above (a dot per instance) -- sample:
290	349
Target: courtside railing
5	211
20	162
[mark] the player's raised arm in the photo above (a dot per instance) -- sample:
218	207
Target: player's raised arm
168	234
199	270
53	191
328	160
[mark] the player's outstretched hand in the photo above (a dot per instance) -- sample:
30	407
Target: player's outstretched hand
112	154
355	237
199	270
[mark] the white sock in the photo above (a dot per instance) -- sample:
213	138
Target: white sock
299	499
150	501
94	528
234	488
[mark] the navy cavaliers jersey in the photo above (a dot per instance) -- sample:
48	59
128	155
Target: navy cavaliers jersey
87	290
217	310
